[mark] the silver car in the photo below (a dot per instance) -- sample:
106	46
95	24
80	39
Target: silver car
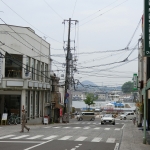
108	119
86	116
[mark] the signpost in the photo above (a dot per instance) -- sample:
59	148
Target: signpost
135	86
4	118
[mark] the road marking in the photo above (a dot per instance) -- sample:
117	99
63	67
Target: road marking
19	137
65	138
56	127
117	129
66	127
89	123
37	145
46	127
35	137
82	138
83	123
7	136
123	126
117	123
99	123
97	128
77	127
20	142
110	140
96	139
50	137
107	129
94	123
116	146
86	128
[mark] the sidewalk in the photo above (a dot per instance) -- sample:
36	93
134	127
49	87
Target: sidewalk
132	138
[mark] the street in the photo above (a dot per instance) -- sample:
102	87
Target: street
76	135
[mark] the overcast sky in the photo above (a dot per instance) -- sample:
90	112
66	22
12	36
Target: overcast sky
104	25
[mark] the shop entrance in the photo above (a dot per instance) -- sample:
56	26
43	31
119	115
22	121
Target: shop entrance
12	104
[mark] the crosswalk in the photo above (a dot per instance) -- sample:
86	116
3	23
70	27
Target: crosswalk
57	137
95	123
85	128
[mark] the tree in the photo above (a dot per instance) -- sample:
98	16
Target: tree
90	98
127	87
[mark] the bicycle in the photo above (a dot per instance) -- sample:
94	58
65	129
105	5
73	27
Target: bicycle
14	119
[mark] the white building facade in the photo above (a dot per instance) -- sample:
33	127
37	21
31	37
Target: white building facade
25	73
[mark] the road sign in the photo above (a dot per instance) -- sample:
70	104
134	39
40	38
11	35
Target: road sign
147	27
135	86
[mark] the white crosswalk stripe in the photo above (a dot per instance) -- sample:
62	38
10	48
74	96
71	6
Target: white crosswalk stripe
19	137
56	127
97	139
66	127
65	138
46	127
107	129
35	137
86	128
82	138
97	128
50	137
6	136
56	137
77	127
110	140
117	129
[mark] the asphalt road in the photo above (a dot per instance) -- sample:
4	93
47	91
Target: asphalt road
76	135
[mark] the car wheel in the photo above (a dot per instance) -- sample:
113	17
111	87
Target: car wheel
81	119
102	123
124	118
114	123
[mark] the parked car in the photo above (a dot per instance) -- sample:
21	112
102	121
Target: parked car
86	116
127	115
108	119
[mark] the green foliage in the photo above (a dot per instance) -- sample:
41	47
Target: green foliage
90	98
127	87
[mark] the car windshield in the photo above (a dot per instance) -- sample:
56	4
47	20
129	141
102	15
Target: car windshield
108	115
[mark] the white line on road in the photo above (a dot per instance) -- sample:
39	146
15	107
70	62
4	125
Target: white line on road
107	129
97	128
123	126
66	127
117	129
19	137
110	140
35	137
56	127
47	127
20	142
86	128
65	138
50	137
82	138
117	146
96	139
38	145
77	127
7	136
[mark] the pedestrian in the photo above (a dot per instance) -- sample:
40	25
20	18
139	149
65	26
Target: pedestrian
24	118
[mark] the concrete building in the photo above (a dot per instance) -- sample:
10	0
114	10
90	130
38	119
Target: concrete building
77	95
25	73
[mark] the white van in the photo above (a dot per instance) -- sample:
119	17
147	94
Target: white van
86	116
127	115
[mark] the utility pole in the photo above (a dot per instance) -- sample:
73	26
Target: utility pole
67	76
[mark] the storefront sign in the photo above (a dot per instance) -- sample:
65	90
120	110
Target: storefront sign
135	86
147	27
4	116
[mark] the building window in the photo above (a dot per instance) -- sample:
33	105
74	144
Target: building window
37	104
38	71
33	69
45	97
27	65
13	66
46	72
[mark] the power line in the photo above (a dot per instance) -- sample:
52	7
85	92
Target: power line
74	8
29	23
